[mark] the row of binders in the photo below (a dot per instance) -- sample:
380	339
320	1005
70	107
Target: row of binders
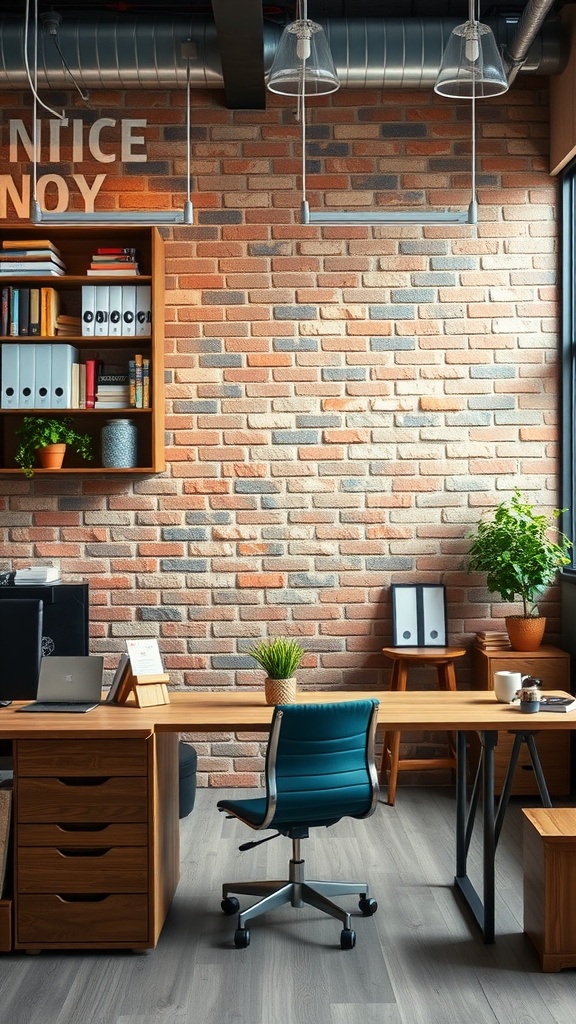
41	376
122	310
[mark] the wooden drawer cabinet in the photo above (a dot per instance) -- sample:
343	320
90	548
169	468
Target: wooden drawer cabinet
96	841
552	666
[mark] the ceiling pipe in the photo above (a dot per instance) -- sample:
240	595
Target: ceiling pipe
531	20
145	53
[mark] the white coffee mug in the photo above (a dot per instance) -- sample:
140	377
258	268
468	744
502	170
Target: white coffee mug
506	686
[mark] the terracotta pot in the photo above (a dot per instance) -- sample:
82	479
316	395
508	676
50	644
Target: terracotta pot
525	634
280	691
52	456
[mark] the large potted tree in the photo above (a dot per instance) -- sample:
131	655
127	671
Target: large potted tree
516	550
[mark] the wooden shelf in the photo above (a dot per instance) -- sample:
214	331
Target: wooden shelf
76	246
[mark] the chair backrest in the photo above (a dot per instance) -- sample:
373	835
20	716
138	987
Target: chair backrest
320	762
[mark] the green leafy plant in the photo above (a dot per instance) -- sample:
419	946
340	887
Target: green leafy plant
38	431
515	551
279	657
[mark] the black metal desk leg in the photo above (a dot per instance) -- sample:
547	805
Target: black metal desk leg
489	741
461	845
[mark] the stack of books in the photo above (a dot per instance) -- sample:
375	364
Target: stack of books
36	575
139	380
68	326
493	641
112	389
114	262
32	257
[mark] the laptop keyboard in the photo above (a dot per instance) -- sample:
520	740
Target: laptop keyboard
73	706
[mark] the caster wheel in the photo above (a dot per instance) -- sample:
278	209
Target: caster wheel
368	906
347	938
242	938
230	905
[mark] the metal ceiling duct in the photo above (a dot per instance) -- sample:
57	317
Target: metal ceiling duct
146	53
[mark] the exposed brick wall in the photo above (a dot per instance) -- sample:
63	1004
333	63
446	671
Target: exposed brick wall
341	403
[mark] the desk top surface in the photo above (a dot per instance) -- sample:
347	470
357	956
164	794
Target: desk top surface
245	711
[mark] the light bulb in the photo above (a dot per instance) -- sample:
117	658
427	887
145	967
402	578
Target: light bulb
472	45
303	43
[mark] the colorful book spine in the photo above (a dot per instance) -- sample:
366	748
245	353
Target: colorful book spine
145	383
138	374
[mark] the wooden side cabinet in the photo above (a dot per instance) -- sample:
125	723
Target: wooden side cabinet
550	884
552	666
96	841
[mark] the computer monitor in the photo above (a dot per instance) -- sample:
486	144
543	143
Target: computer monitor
20	648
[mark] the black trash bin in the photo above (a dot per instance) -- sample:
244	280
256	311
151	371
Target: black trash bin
187	764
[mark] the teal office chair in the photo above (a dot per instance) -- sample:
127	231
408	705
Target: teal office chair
319	768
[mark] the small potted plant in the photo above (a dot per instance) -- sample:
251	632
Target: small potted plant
279	658
37	436
515	550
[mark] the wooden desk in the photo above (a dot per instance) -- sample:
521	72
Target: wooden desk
52	747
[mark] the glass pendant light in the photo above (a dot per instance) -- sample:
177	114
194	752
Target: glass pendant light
471	65
303	63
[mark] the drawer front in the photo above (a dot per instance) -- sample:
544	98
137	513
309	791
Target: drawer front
90	799
82	870
54	920
81	757
85	835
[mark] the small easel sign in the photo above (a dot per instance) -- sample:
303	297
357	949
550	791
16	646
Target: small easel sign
140	672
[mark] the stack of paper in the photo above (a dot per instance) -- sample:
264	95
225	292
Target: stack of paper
36	575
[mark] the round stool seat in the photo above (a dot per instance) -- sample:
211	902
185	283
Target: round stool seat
440	658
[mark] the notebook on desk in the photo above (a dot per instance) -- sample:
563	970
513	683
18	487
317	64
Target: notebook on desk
68	684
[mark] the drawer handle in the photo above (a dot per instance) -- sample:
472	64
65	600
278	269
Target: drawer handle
89	852
82	897
88	780
79	827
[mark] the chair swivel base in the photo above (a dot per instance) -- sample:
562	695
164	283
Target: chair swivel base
299	893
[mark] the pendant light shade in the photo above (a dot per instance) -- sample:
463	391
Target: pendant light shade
471	65
303	63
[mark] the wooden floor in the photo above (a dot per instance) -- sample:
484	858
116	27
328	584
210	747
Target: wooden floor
419	960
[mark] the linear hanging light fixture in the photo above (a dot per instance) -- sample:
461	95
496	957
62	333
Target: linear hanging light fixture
482	71
111	217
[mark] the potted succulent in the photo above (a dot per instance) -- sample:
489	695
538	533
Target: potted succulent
279	658
38	435
515	550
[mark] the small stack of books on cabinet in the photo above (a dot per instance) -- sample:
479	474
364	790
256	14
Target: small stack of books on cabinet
31	257
114	262
68	326
493	641
112	389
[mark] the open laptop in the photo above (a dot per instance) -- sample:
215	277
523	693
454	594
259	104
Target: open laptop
68	684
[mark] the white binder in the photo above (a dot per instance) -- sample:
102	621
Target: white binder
88	309
10	375
43	375
101	325
115	309
143	310
128	310
27	377
62	358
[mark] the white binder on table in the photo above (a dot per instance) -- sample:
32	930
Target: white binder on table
62	358
10	375
43	375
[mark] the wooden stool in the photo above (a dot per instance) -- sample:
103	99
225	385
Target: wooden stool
440	658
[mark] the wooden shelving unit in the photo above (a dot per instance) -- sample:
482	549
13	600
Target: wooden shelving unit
76	246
